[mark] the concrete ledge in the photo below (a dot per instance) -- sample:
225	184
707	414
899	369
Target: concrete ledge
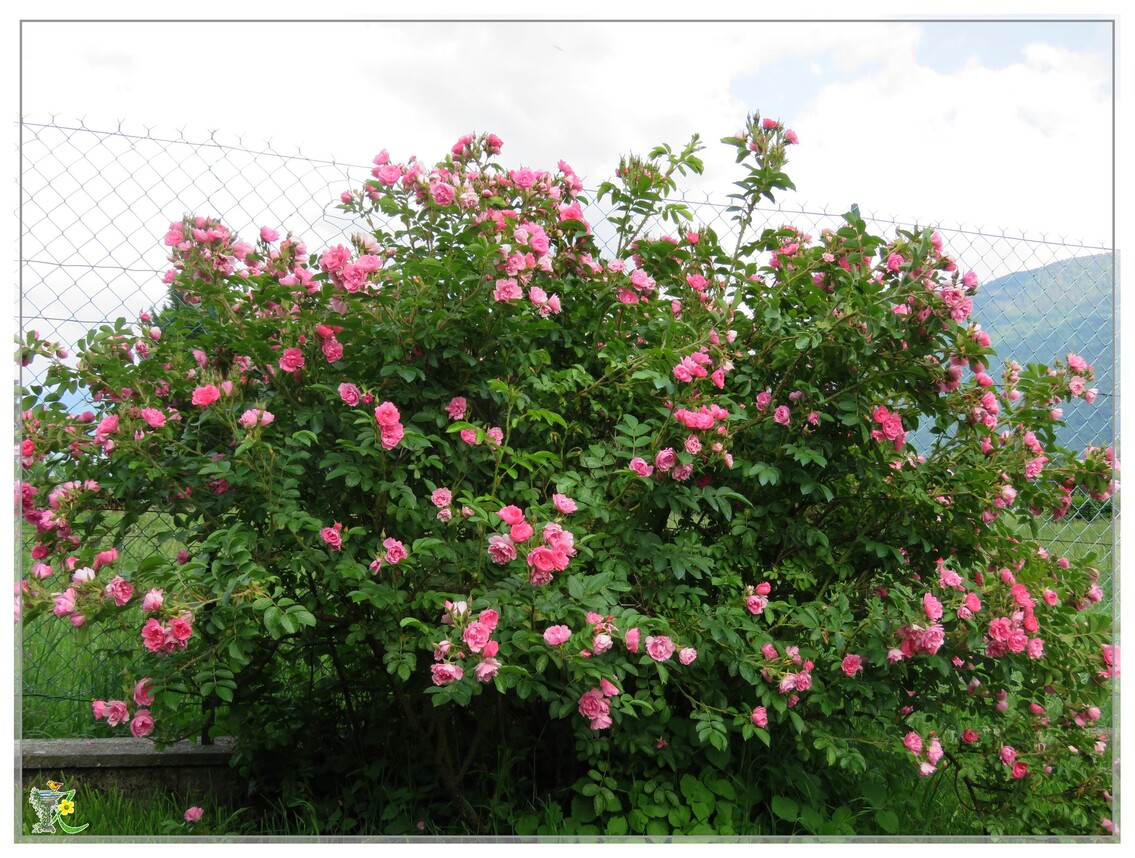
132	765
120	753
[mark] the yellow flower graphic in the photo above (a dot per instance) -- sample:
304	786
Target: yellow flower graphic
66	807
53	785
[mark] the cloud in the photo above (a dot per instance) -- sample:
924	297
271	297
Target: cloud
1024	147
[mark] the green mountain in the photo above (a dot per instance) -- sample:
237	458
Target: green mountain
1039	315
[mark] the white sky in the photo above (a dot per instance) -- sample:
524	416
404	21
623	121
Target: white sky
1003	125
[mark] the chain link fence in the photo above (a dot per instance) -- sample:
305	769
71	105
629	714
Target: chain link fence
95	204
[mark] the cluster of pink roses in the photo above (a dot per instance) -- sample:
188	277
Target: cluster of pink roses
457	410
1005	634
933	752
116	711
789	681
661	648
595	704
552	556
476	634
256	417
1008	756
168	637
756	597
390	426
442	498
350	276
890	427
917	640
394	553
65	604
665	462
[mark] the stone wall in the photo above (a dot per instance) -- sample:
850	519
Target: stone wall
132	766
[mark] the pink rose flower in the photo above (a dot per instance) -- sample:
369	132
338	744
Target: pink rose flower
511	514
350	394
541	560
564	505
486	669
391	435
556	635
1007	754
120	590
476	635
659	648
154	417
292	360
443	674
116	713
98	708
608	688
913	743
153	635
441	497
456	408
782	415
507	289
593	705
332	537
180	628
442	193
631	639
932	607
143	691
760	716
501	549
388	174
142	725
206	395
756	604
152	600
256	417
489	619
395	551
64	602
386	413
665	459
852	664
687	654
520	532
104	558
194	814
640	466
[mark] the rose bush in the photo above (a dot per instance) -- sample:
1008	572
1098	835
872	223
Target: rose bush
471	511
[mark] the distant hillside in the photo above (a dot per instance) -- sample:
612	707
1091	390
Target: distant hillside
1036	316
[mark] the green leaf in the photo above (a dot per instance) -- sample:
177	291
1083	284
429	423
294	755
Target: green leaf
888	820
786	808
617	826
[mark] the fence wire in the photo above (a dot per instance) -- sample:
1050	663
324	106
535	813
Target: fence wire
95	204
